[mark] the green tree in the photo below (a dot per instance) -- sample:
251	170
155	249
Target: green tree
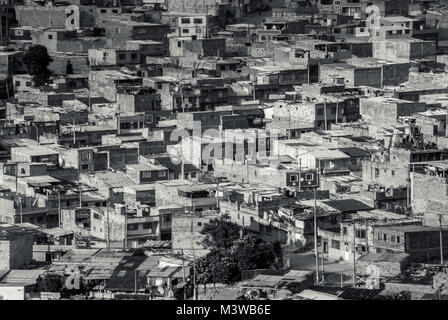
221	233
36	60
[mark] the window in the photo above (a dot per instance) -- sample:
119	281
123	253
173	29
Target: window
293	178
147	225
179	44
84	167
392	238
384	237
17	83
85	156
133	56
185	20
103	10
199	224
320	112
344	231
193	174
309	177
133	226
162	173
353	161
166	218
185	31
197	20
377	172
146	174
114	11
159	85
398	239
361	234
121	56
335	244
96	216
50	36
176	176
392	172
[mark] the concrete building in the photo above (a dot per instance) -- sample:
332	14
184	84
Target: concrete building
422	243
16	247
191	195
388	110
113	57
186	232
366	72
118	32
404	50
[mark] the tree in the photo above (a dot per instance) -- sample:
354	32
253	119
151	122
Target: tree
36	60
51	282
217	267
231	253
221	233
252	252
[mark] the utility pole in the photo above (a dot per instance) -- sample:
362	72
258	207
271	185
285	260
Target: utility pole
125	240
80	197
74	134
367	235
183	275
59	208
195	295
441	242
325	113
135	281
195	292
217	195
354	253
322	259
316	252
108	225
21	209
337	110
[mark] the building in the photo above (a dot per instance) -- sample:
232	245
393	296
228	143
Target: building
16	247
